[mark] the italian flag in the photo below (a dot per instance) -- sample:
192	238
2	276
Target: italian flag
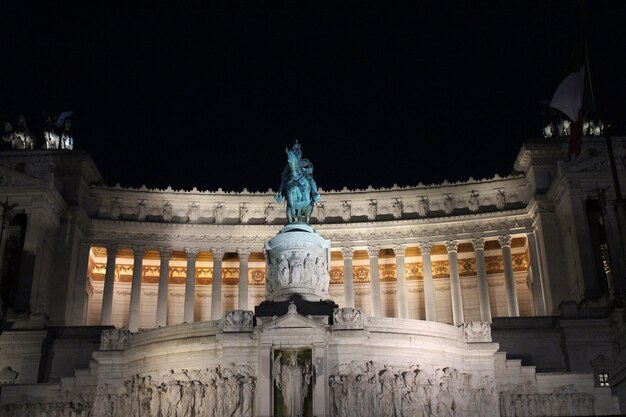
569	97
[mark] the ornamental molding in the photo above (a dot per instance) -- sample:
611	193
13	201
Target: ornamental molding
348	206
107	231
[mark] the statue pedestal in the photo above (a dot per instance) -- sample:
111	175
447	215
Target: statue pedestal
298	261
305	307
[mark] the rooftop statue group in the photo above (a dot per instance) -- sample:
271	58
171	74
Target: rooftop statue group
298	187
57	133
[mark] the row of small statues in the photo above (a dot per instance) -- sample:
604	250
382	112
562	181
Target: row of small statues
217	392
563	128
116	208
298	270
370	390
57	133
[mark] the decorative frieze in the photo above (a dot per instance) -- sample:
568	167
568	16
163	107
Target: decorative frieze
370	388
361	273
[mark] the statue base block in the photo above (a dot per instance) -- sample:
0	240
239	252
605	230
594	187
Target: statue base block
305	307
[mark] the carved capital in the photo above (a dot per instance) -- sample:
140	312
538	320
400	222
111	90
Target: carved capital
399	249
111	249
165	251
452	245
218	253
192	253
138	250
244	253
347	252
426	247
373	251
478	243
505	240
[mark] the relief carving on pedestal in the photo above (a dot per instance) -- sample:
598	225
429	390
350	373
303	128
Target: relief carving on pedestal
475	331
8	375
115	339
238	321
373	390
216	392
66	404
526	400
348	318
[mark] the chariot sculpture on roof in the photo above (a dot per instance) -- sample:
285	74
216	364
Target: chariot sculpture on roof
297	186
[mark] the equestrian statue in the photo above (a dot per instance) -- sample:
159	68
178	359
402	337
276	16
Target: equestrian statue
298	187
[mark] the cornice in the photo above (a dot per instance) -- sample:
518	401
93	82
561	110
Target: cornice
382	232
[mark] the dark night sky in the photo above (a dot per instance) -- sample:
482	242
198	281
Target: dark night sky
209	95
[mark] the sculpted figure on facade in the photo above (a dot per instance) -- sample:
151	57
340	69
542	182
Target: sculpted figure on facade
348	317
448	204
473	202
115	339
54	140
218	212
475	330
67	138
397	208
50	136
297	186
346	211
564	127
293	380
116	208
372	209
423	206
142	210
321	212
167	211
270	213
192	211
321	274
243	213
500	199
238	318
21	138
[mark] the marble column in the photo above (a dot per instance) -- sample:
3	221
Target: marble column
190	285
164	275
429	286
374	252
348	283
455	282
244	255
403	303
481	276
509	276
538	288
135	291
216	294
106	313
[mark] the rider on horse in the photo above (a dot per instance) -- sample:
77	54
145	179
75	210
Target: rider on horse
298	186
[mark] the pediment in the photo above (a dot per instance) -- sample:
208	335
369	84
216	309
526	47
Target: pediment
293	320
10	177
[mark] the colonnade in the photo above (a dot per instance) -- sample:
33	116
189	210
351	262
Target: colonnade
190	283
347	252
429	288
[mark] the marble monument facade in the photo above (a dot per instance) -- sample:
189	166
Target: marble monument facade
137	301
